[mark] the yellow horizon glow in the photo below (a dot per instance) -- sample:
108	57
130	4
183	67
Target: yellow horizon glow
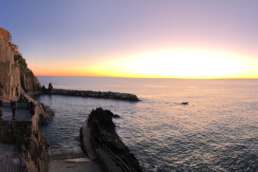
181	63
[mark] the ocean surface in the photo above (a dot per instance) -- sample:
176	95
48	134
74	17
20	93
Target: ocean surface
217	131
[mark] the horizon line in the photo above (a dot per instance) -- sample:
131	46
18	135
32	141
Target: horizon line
128	77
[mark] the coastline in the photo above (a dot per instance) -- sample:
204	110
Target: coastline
17	89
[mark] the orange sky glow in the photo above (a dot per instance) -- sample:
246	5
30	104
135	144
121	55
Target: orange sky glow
194	39
182	63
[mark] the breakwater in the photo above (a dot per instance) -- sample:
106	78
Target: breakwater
92	94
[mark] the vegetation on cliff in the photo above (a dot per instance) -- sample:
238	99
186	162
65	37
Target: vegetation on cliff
28	81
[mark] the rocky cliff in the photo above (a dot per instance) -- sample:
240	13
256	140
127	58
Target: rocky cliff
16	81
35	147
14	73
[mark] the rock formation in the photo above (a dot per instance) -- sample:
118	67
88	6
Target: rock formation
16	81
101	142
35	147
14	73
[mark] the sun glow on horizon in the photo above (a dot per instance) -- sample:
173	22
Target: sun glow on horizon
180	63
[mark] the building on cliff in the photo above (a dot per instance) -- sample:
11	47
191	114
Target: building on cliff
14	73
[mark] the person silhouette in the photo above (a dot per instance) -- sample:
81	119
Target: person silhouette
1	104
31	108
13	107
50	88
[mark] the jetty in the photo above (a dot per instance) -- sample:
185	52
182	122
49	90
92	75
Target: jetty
92	94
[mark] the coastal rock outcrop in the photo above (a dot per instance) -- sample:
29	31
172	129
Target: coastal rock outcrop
16	82
35	150
29	82
101	142
14	73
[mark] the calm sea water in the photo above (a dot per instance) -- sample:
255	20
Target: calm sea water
217	131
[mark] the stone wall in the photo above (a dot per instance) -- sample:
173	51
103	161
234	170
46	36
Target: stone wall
14	132
27	137
30	142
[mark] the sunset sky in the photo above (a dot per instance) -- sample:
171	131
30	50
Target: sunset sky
136	38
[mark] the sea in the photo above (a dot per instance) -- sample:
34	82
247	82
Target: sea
216	131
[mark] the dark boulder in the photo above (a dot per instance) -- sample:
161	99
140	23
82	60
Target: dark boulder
101	142
185	103
116	116
43	89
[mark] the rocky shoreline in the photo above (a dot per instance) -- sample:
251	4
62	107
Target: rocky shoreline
92	94
23	131
101	142
17	87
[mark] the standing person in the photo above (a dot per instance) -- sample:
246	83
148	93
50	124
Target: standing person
1	104
50	88
13	107
31	108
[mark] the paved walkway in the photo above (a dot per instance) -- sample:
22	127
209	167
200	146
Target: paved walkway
10	160
22	114
81	164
